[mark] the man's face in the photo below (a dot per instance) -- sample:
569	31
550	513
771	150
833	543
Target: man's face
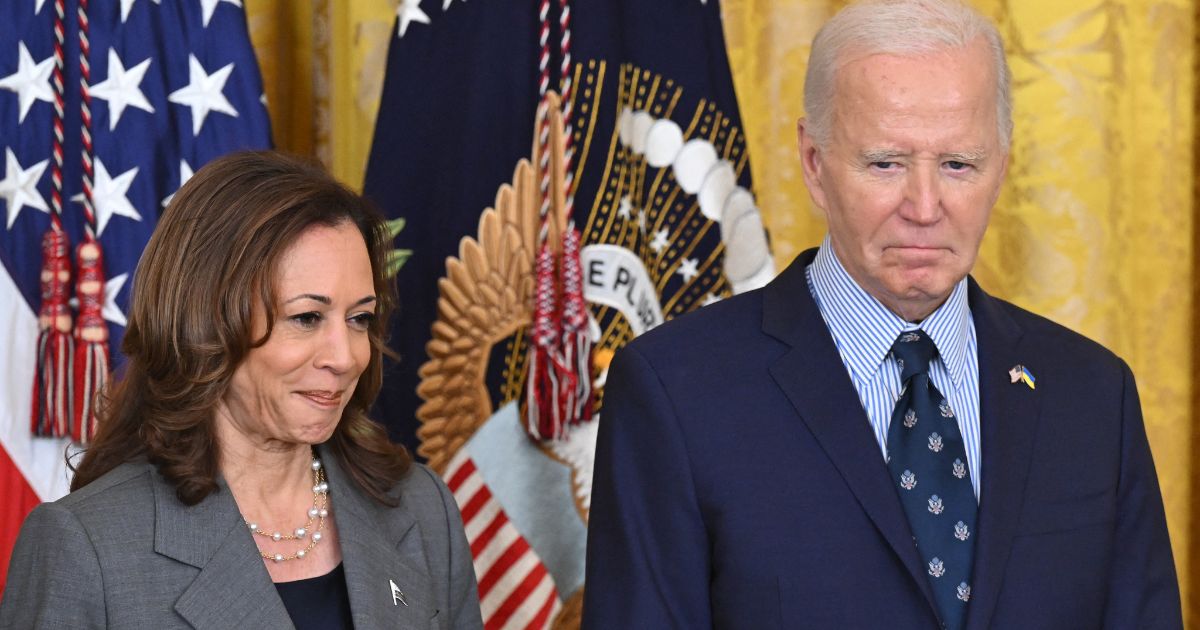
910	173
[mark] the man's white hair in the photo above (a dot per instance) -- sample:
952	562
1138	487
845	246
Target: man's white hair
897	27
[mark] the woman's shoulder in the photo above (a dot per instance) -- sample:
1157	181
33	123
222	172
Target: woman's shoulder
114	505
131	481
423	493
115	495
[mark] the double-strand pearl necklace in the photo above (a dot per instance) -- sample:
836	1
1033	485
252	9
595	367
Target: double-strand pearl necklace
317	512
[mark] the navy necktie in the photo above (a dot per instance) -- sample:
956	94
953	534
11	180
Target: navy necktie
928	464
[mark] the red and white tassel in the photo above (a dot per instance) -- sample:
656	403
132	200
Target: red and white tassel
576	340
90	372
52	395
558	389
91	340
543	420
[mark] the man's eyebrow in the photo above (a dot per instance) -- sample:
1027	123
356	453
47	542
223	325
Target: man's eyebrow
970	155
882	155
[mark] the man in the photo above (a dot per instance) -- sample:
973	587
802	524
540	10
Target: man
871	441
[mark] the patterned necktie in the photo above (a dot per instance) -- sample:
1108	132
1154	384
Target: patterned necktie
929	467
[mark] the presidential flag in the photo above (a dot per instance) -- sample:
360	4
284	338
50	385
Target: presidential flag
529	152
129	97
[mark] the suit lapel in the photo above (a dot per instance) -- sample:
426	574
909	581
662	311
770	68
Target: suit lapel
233	589
380	547
1008	425
814	379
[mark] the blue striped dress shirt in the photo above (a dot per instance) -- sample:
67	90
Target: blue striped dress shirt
863	330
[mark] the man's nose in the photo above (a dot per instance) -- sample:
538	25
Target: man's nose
923	197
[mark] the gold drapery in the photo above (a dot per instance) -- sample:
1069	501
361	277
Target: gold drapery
1094	228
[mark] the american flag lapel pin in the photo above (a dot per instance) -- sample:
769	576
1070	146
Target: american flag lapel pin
1019	373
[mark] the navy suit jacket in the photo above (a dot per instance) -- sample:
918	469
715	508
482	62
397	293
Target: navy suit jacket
738	484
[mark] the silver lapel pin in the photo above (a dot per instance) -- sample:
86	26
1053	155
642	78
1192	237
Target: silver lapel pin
397	595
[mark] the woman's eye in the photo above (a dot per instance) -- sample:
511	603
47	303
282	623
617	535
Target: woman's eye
306	320
362	321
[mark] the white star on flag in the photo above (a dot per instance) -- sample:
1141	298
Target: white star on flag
31	81
185	173
109	196
121	89
203	93
624	210
126	5
642	221
711	298
110	310
37	6
409	11
660	241
689	269
446	4
208	6
19	186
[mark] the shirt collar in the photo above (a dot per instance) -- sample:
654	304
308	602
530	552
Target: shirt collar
864	329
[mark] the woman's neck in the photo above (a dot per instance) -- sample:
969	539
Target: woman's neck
269	477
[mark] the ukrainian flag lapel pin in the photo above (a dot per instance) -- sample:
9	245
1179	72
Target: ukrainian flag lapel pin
1020	373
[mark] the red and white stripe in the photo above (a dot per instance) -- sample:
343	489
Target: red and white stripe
31	469
515	589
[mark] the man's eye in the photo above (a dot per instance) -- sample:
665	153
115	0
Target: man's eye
955	165
306	320
884	166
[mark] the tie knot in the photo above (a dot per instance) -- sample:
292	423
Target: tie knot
913	350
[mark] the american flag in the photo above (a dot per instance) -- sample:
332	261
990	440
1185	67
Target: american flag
170	85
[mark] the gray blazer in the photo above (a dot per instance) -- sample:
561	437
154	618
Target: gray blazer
123	552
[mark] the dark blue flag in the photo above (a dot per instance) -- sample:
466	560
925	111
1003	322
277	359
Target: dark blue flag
661	199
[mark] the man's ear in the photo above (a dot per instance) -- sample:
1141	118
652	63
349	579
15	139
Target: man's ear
810	161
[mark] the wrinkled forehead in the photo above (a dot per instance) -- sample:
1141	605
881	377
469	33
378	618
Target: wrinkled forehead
944	80
971	62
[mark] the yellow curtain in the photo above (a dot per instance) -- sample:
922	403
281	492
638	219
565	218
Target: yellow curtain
1094	228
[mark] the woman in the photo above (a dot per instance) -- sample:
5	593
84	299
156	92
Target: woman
235	480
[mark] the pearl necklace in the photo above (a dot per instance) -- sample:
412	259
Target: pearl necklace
318	512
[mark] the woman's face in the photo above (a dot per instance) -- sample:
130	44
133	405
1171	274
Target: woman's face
293	388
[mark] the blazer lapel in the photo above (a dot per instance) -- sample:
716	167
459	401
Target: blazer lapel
381	547
814	379
1008	426
233	589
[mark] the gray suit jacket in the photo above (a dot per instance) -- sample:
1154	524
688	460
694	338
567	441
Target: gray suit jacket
123	552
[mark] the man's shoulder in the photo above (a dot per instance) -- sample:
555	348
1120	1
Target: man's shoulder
723	326
1051	338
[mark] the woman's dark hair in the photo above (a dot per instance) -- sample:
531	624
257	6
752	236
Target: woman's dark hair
209	265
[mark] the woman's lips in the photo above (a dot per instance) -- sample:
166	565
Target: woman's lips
323	398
